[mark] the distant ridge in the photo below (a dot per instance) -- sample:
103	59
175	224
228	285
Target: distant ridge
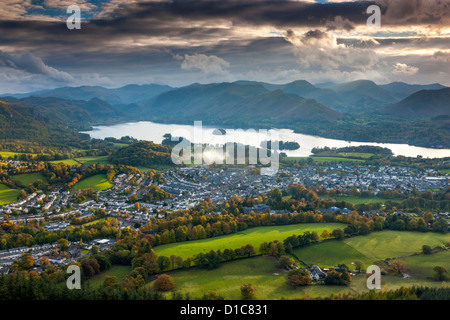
238	102
425	103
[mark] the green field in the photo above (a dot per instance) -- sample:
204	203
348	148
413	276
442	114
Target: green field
447	171
370	248
97	221
70	162
253	236
28	178
325	159
117	271
355	200
9	154
421	266
86	161
7	195
97	182
356	155
269	281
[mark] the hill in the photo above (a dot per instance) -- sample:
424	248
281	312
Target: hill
425	103
118	96
402	90
32	126
142	154
363	96
237	104
73	111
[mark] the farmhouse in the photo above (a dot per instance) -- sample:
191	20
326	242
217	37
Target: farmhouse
316	273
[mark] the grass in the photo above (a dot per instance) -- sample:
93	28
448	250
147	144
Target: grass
370	248
8	195
356	155
325	159
269	281
421	266
9	154
447	171
356	200
97	182
330	254
97	221
28	178
87	161
117	271
70	162
120	145
253	236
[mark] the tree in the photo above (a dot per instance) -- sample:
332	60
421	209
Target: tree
247	291
428	216
212	260
263	248
397	267
110	281
338	233
63	244
164	263
426	249
359	266
94	249
27	261
440	226
325	234
441	273
285	262
338	278
164	282
298	277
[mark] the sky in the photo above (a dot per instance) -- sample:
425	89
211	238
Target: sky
181	42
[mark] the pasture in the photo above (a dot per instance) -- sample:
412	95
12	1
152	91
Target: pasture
269	281
8	195
356	155
356	200
97	182
28	178
370	248
253	236
325	159
115	271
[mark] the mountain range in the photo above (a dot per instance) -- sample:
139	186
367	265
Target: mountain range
358	110
279	103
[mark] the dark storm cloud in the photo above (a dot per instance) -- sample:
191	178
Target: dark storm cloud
140	39
197	20
177	18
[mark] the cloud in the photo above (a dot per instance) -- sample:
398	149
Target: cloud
442	56
126	41
340	23
399	12
29	63
207	64
320	50
404	69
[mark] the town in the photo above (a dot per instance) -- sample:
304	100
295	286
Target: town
188	186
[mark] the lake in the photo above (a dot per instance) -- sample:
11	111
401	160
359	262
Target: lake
151	131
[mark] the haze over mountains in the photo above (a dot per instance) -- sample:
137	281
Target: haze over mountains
227	102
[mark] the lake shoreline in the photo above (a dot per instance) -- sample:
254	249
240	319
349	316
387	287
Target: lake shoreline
101	132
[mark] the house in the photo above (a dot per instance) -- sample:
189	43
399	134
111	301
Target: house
316	273
73	251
